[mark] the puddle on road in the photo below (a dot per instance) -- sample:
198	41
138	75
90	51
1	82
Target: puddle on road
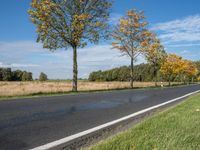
100	105
105	104
136	98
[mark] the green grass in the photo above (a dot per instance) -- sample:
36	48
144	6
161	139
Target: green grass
175	129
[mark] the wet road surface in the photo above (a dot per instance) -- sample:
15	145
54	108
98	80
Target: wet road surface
28	123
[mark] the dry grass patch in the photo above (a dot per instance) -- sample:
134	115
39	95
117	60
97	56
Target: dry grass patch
27	88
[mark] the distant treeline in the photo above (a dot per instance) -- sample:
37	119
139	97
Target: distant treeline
142	73
6	74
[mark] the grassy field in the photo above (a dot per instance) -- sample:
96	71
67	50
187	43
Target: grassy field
36	87
175	129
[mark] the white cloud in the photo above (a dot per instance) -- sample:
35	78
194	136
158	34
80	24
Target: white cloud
184	45
180	30
30	46
19	51
184	52
32	57
99	57
15	65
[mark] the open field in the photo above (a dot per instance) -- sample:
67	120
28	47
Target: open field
34	87
175	129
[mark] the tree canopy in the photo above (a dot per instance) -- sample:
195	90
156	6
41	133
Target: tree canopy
6	74
70	23
154	52
175	67
43	77
128	36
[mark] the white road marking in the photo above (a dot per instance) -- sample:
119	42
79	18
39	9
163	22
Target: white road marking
86	132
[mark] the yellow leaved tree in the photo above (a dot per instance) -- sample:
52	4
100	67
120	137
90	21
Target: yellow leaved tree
198	78
70	24
188	71
128	37
176	67
154	52
172	67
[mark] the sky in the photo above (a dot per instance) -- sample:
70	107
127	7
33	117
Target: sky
176	22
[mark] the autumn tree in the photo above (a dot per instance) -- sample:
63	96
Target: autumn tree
154	52
70	23
198	79
172	67
188	70
128	36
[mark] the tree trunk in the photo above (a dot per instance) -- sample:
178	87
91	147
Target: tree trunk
169	83
184	79
131	72
155	76
75	70
169	80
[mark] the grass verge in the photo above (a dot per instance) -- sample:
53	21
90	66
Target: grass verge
175	129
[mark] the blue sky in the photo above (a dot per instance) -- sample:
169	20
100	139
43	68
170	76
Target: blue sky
177	23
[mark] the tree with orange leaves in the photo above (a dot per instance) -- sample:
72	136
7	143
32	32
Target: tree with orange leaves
128	36
198	79
172	67
188	70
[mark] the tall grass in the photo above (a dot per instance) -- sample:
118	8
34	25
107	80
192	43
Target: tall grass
27	88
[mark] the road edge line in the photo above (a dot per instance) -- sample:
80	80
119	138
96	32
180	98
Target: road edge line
89	131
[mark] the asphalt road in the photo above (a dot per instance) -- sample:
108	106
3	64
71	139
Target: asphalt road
28	123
